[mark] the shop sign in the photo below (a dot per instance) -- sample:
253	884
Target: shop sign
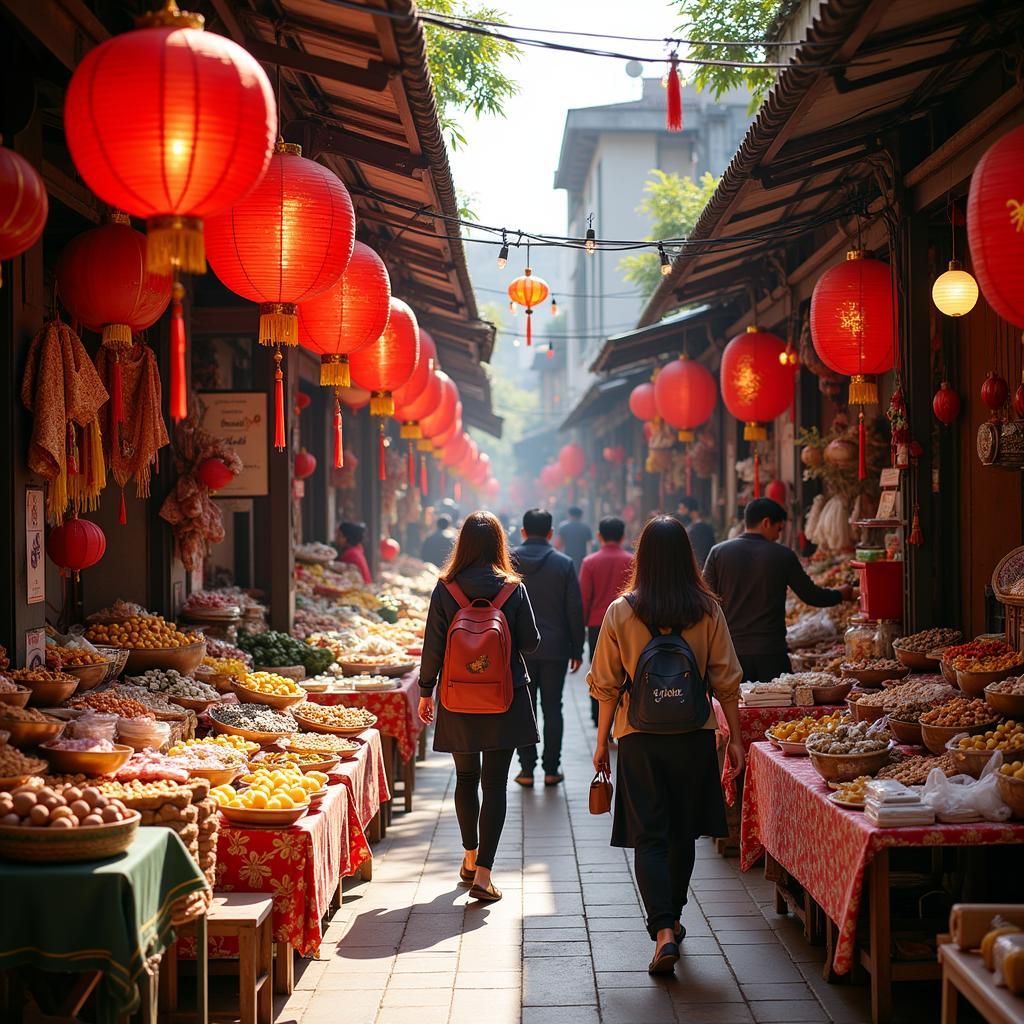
35	586
239	418
35	648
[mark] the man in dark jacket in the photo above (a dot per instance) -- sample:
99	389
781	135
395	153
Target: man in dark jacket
438	546
550	580
702	533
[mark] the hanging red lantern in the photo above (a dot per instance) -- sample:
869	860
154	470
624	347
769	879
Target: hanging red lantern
348	316
776	490
994	392
852	322
23	205
528	291
389	549
387	363
407	395
445	438
685	395
213	474
615	454
302	401
756	387
173	124
441	418
995	226
1018	399
642	403
423	405
454	452
572	459
492	487
76	545
946	404
305	464
551	476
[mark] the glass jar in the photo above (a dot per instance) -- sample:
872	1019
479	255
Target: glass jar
143	733
887	631
94	725
859	639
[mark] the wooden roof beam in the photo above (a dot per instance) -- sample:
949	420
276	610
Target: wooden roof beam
374	77
319	139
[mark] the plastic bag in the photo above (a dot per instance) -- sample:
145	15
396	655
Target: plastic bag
965	799
1008	962
809	629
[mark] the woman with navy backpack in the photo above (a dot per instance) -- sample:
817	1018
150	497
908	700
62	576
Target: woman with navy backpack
664	650
479	626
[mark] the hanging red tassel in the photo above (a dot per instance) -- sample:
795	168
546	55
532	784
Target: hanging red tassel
382	456
862	449
279	443
529	326
412	466
122	515
179	387
116	393
424	479
339	446
689	476
457	491
674	108
916	536
757	473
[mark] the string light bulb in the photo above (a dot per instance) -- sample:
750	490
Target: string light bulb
503	252
666	263
551	351
511	307
554	306
590	239
516	343
955	292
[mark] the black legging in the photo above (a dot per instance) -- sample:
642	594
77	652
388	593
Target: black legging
490	818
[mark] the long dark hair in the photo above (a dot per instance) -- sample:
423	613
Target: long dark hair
481	542
665	587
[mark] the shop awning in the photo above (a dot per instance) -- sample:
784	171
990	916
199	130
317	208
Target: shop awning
602	397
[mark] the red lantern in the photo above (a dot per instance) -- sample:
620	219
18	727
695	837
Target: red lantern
616	454
387	363
454	452
551	476
492	487
756	387
172	124
995	226
76	545
528	291
213	474
1018	400
441	418
305	464
348	316
994	391
685	395
776	490
572	459
389	549
354	398
23	205
852	322
946	404
302	401
445	438
641	402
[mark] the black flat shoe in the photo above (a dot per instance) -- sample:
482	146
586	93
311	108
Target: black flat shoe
489	895
680	933
554	780
665	959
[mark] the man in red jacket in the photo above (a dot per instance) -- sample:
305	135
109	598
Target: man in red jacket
603	576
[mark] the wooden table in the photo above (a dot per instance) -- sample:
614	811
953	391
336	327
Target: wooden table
964	974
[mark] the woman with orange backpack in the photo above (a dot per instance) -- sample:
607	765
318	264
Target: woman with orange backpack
479	625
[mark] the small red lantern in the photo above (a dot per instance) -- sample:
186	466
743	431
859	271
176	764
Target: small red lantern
776	490
387	363
995	226
302	401
213	474
305	464
437	422
389	549
492	487
528	291
572	459
641	402
23	205
172	124
946	404
994	391
756	387
76	545
551	476
685	395
456	451
616	454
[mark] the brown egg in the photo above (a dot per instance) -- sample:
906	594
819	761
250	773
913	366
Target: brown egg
80	809
101	803
23	803
67	822
90	795
72	793
61	812
39	815
91	819
10	819
111	814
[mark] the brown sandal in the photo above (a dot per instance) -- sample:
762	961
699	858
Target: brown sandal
488	895
466	874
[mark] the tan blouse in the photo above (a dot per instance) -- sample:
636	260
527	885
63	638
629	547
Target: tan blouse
624	636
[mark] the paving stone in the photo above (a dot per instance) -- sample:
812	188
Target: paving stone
788	1012
763	963
652	1006
705	979
555	934
404	997
560	1015
431	979
558	981
489	979
531	949
739	923
713	1013
776	990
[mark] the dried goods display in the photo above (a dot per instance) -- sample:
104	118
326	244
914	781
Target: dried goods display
9	686
850	738
225	666
28	676
974	651
174	684
254	718
144	732
959	712
270	778
29	807
14	764
83	744
315	552
851	794
906	693
200	754
910	711
104	701
300	759
222	649
27	715
1013	686
913	771
1014	769
271	649
58	657
158	703
322	743
141	632
928	640
271	685
335	716
150	766
275	794
987	663
1007	735
873	665
798	731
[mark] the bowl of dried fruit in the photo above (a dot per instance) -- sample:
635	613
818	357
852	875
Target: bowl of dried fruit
29	727
974	681
959	715
919	651
865	710
1006	696
848	752
965	664
86	757
48	688
1010	786
972	753
873	671
13	694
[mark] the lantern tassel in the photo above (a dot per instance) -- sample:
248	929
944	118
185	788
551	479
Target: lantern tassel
72	451
529	326
339	446
412	467
689	476
116	396
862	449
122	514
179	386
279	323
757	474
279	443
334	371
382	469
863	390
674	102
754	431
424	477
916	536
175	243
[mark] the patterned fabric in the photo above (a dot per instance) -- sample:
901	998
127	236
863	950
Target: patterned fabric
825	848
366	781
396	711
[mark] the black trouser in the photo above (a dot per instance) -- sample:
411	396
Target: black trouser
593	632
761	668
547	677
663	867
481	823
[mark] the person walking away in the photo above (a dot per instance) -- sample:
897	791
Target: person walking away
667	788
550	580
751	575
438	545
603	577
702	533
481	743
350	548
574	537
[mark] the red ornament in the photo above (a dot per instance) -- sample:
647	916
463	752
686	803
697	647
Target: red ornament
455	451
387	363
552	476
756	387
389	549
994	391
442	440
76	545
305	464
852	322
23	205
616	454
442	417
572	459
528	291
995	226
172	124
776	490
354	398
674	98
946	404
642	403
406	398
302	401
213	474
1018	400
685	395
348	316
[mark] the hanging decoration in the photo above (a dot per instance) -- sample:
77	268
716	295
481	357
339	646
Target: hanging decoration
573	460
440	420
552	477
406	396
615	454
946	404
955	292
899	435
172	124
76	545
24	205
528	291
305	464
389	549
674	96
214	474
302	402
994	392
756	387
685	395
388	362
776	490
642	403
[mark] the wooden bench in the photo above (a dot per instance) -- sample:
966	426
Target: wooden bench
964	974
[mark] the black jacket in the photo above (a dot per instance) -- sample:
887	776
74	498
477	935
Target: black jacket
550	579
479	581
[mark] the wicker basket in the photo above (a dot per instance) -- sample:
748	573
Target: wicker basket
66	845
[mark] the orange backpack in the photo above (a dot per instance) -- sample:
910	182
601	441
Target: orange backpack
477	675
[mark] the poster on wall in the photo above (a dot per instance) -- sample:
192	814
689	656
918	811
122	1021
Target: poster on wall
35	648
35	587
239	418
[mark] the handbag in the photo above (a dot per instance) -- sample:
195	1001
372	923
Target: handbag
601	794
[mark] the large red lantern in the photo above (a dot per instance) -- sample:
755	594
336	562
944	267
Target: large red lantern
446	436
23	205
641	402
455	451
528	291
172	124
76	545
756	386
213	474
685	395
551	476
852	322
305	464
440	419
348	316
572	459
387	363
995	226
407	396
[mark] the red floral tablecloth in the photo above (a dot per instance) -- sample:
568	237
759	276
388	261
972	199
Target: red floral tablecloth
826	848
396	711
367	785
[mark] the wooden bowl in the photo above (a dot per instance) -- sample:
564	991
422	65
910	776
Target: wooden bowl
221	681
333	730
906	732
86	762
264	739
948	673
198	705
1011	792
216	776
874	677
50	694
865	712
935	737
1009	704
974	683
295	672
15	698
30	734
847	767
89	675
66	845
835	694
263	818
972	762
278	703
183	659
915	660
358	668
325	765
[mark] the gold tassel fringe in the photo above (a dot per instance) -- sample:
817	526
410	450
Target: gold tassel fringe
117	337
863	390
424	444
175	244
83	488
411	431
753	431
382	404
334	372
686	436
279	324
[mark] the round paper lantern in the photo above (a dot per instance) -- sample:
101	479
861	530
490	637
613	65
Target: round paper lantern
852	322
406	396
641	402
213	474
389	549
946	404
776	490
995	226
455	451
446	436
492	487
756	387
354	398
172	124
387	363
572	459
994	391
23	205
551	476
76	545
438	421
528	291
305	464
286	242
302	401
685	395
348	316
955	292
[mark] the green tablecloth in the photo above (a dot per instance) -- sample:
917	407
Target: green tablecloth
109	915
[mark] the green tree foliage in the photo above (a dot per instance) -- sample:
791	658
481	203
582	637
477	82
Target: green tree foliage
673	204
729	20
467	69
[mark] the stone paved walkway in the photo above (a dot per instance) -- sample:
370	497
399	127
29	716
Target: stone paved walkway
567	944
